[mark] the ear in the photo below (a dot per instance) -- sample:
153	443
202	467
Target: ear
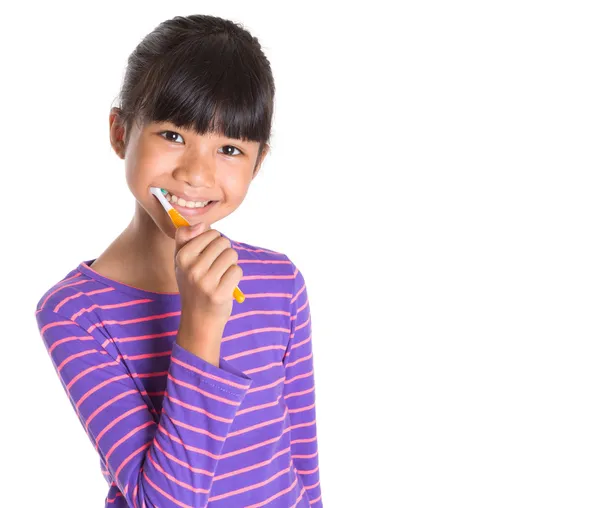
259	162
117	132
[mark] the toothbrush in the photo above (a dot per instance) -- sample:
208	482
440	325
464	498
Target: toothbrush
179	220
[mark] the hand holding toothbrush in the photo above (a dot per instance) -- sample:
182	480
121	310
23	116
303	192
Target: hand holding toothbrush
178	221
206	273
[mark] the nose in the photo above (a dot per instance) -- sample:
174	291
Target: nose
197	171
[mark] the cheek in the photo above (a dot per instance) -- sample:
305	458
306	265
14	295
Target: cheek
139	181
236	186
140	174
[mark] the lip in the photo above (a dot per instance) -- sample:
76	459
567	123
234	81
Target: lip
193	212
188	198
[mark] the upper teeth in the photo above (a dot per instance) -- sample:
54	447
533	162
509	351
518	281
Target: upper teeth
187	204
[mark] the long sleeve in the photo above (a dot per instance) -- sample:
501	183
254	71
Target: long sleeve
299	392
165	459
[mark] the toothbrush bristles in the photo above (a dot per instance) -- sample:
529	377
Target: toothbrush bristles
163	191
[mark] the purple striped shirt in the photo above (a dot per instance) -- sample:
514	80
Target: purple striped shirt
171	429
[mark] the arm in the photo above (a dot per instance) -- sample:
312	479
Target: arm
149	456
299	392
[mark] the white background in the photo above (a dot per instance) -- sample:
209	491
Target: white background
434	174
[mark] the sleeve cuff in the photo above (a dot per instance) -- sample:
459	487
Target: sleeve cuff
234	379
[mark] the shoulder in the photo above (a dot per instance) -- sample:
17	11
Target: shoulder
72	296
261	263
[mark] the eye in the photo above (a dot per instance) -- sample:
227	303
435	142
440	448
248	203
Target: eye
234	148
169	132
170	135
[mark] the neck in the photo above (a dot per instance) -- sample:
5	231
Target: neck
148	253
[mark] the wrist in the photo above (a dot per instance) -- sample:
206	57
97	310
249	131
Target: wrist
202	338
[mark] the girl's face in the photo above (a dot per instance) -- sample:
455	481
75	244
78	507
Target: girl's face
192	167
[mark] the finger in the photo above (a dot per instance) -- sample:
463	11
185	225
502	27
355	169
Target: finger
184	234
221	264
202	264
230	279
189	251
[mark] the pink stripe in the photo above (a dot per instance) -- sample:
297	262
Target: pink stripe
258	426
256	408
147	355
90	369
196	490
259	312
301	343
264	367
150	374
300	309
73	356
56	323
116	420
239	247
254	331
199	390
112	499
68	339
297	394
265	387
298	293
198	409
302	492
139	337
252	487
267	277
81	293
309	472
252	351
311	456
198	430
275	496
209	376
132	432
302	325
146	337
116	398
299	425
99	386
268	295
108	306
181	463
301	409
264	261
299	360
255	446
168	496
300	376
255	466
62	287
131	321
186	446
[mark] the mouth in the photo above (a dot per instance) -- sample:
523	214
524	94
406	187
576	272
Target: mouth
189	208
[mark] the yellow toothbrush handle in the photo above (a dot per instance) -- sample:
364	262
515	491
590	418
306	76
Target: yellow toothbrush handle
238	295
179	220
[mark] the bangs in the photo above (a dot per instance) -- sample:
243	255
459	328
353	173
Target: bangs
208	88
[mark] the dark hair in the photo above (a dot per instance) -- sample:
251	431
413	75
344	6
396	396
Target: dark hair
203	73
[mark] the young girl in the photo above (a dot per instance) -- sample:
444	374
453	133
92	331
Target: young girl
189	398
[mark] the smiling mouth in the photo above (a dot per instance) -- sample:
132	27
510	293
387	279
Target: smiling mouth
182	203
189	212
